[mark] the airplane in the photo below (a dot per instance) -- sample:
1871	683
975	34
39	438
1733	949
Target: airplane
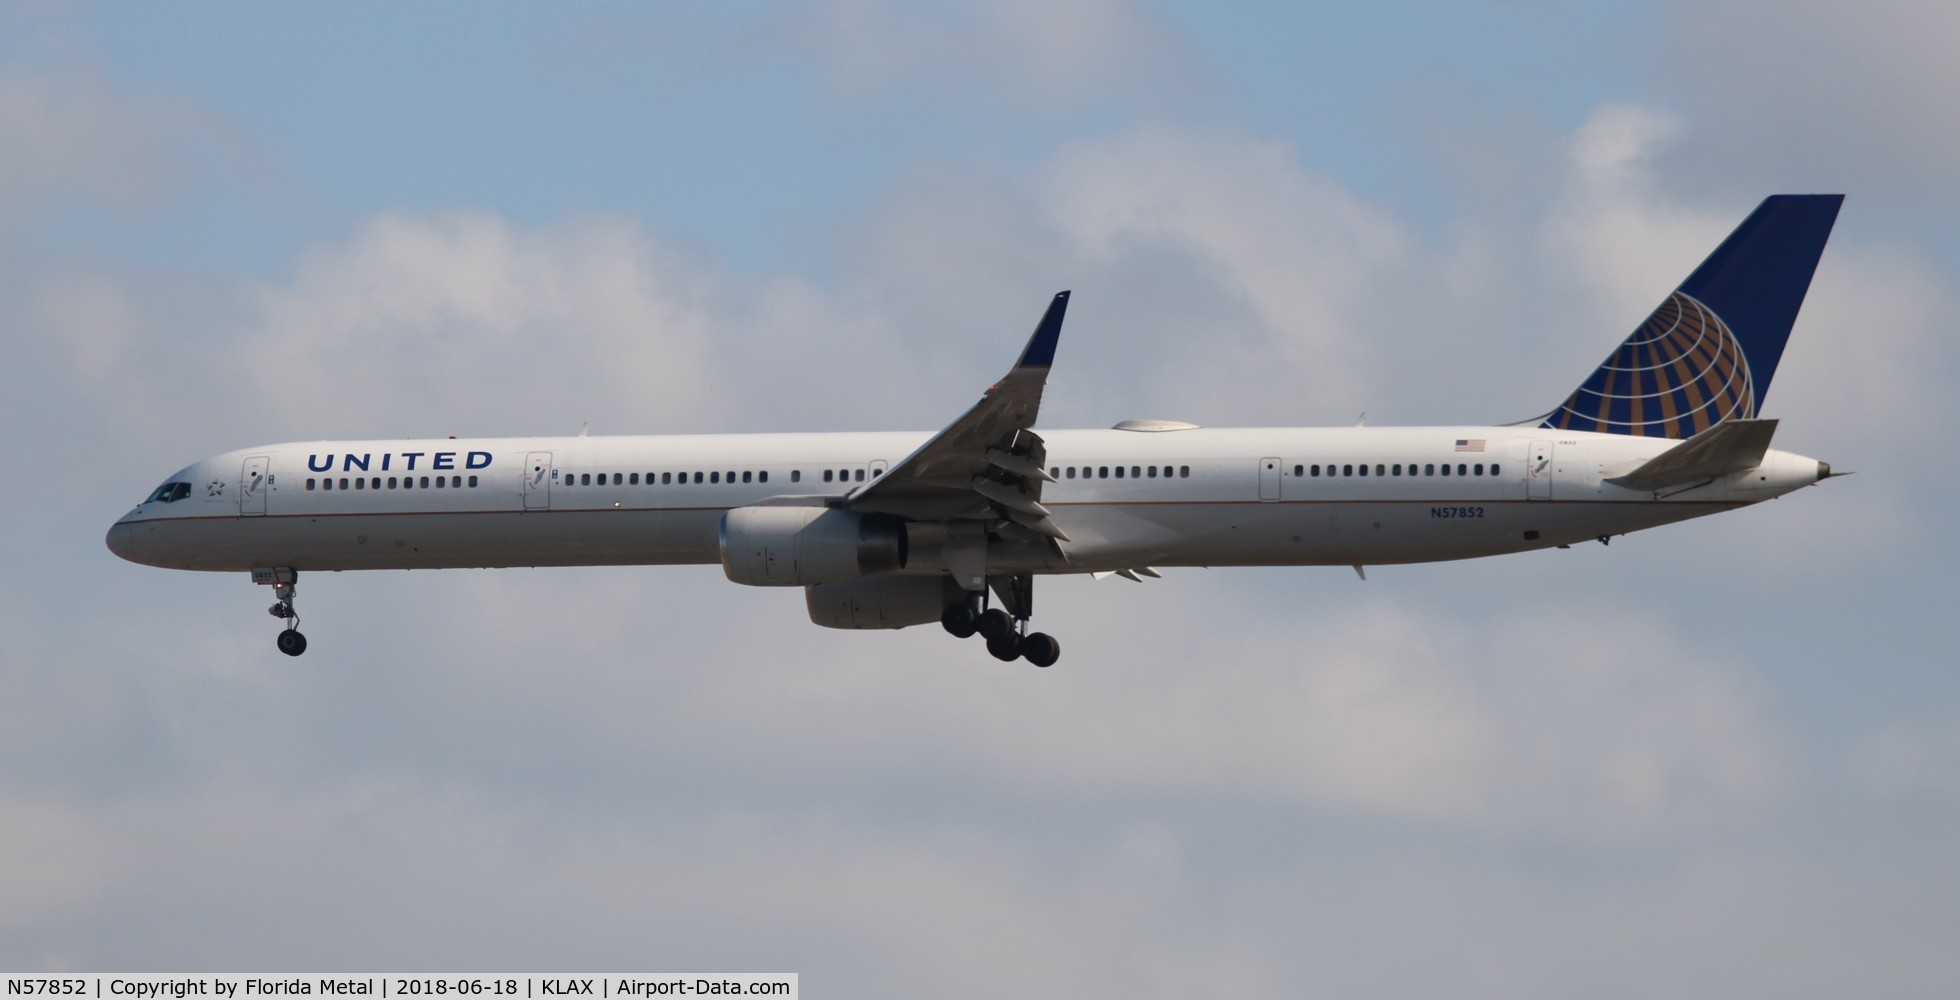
892	530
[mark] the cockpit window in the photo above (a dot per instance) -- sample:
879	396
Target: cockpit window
170	493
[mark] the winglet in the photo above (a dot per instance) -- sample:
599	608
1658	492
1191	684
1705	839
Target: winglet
1041	347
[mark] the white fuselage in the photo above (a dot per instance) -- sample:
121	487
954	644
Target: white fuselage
1125	499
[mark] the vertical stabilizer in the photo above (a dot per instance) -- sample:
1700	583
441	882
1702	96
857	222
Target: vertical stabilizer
1708	353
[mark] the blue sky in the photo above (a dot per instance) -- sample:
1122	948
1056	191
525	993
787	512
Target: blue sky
1713	759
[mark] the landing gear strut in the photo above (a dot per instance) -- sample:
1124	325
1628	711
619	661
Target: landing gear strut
284	581
1005	630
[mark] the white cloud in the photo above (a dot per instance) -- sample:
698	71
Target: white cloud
1821	95
464	315
73	134
92	317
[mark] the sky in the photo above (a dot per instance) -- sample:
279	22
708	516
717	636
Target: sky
1716	759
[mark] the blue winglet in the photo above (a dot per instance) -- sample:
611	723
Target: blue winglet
1041	346
1708	353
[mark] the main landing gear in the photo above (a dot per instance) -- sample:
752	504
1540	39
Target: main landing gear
1006	635
284	581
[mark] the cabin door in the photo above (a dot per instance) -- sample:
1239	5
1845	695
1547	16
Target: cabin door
252	485
537	481
1538	472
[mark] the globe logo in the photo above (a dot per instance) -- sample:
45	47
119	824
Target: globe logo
1680	373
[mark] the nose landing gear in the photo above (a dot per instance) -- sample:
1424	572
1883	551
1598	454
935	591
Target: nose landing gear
284	582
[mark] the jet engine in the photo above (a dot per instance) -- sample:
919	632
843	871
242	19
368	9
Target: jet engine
798	546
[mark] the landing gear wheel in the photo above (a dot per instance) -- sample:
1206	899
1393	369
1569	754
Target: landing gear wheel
1040	649
958	620
1006	648
291	642
994	623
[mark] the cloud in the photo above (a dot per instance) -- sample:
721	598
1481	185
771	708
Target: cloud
71	134
465	315
1822	96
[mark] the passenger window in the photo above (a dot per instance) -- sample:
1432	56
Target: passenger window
360	483
425	482
1395	470
1299	470
310	483
326	484
633	479
826	475
1459	470
1184	472
343	482
860	476
697	479
1119	472
1153	472
377	482
1135	471
1446	468
1316	470
1480	468
1379	470
745	477
762	477
714	477
1167	472
1070	472
472	482
1364	468
1429	470
1102	472
1493	468
1347	470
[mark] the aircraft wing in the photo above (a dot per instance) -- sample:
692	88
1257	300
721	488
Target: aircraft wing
989	462
1730	446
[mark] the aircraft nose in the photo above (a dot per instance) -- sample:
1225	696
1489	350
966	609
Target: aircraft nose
122	540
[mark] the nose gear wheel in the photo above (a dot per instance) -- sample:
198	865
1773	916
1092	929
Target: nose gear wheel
284	583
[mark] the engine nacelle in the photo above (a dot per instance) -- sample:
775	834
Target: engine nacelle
882	601
798	546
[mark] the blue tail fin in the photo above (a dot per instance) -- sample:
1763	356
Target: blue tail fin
1708	353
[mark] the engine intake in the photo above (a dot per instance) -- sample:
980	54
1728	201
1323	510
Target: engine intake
798	546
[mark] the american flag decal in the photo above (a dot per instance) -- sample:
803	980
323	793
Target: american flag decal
1469	444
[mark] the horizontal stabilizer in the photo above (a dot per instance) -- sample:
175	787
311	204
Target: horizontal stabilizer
1730	446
